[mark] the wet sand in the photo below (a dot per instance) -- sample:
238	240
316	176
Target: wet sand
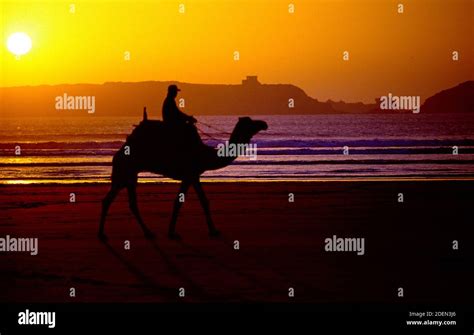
282	244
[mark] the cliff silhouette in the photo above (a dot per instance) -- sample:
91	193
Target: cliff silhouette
126	99
458	99
248	98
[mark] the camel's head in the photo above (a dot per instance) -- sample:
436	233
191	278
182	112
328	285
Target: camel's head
246	128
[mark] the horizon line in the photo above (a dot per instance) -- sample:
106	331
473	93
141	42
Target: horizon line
226	84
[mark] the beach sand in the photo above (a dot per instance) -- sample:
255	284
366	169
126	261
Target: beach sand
407	244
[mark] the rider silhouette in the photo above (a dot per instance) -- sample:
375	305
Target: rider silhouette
171	113
181	123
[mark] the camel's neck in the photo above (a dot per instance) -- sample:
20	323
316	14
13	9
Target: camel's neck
225	156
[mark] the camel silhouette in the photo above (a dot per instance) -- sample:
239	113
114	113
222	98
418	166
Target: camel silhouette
155	147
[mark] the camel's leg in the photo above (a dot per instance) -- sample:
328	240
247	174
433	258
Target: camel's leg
106	202
205	205
132	201
177	205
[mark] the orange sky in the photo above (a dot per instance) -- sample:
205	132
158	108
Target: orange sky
405	54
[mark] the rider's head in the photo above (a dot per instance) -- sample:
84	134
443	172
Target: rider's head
173	91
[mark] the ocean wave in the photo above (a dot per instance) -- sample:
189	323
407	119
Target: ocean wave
265	147
62	145
263	162
376	143
109	152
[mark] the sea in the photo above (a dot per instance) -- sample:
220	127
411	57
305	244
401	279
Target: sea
295	147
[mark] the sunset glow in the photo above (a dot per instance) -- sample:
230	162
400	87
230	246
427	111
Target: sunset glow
100	41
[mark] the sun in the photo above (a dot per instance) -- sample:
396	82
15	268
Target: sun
19	43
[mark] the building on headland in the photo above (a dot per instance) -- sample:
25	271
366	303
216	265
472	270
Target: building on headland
250	81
